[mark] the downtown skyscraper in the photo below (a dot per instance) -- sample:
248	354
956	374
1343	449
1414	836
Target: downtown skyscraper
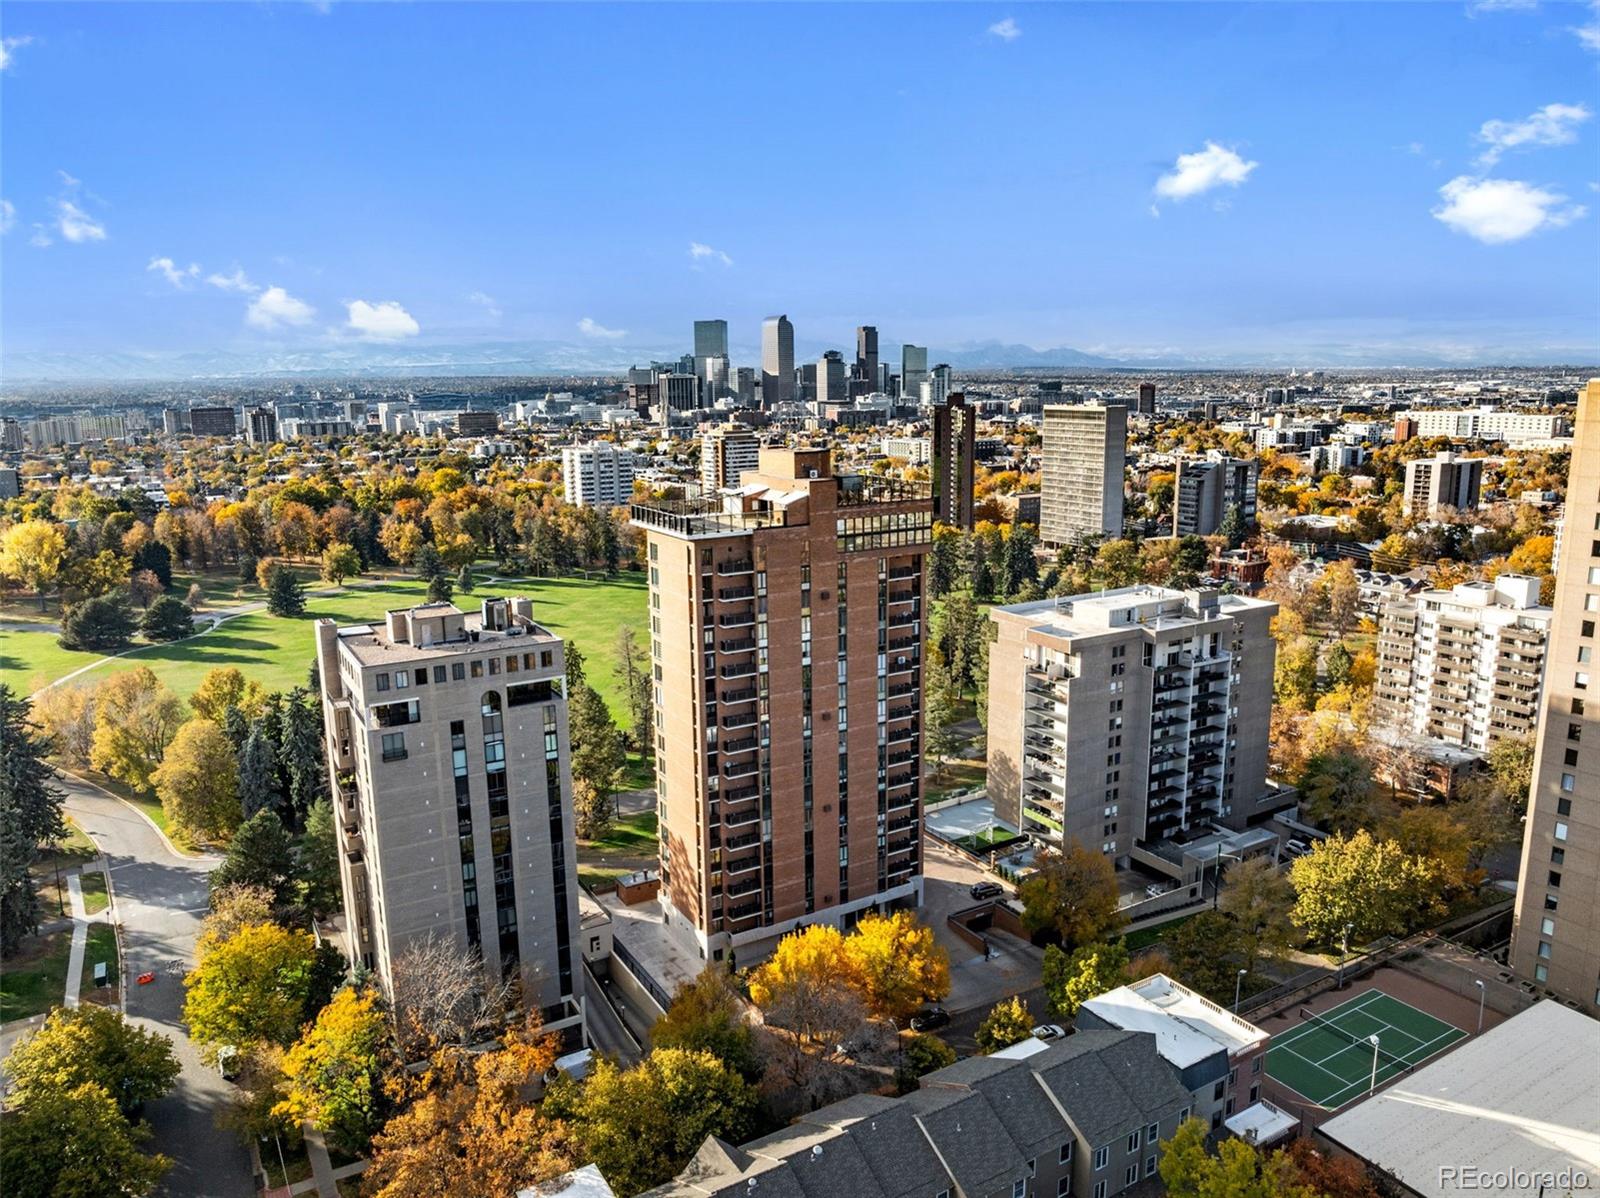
777	361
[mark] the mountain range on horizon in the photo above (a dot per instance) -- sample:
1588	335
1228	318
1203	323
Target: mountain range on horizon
467	358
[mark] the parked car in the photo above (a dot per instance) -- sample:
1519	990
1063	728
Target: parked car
1049	1031
929	1018
987	890
1296	848
575	1065
1154	890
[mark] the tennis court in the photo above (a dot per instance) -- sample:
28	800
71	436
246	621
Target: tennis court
1328	1058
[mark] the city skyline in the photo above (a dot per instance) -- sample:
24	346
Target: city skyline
1176	197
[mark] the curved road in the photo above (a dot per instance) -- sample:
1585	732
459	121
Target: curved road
160	899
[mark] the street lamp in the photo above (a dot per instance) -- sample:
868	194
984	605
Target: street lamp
1373	1085
1482	993
1216	878
1238	981
1344	951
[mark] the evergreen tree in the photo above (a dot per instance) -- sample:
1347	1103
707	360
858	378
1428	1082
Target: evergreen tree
427	563
464	581
300	753
319	859
286	594
259	789
597	756
1232	526
1021	566
103	624
260	854
167	619
157	558
439	588
236	726
30	815
575	670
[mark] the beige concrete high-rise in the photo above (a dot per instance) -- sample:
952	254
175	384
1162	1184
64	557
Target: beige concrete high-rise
726	452
787	622
452	791
1082	460
1555	942
777	361
1440	482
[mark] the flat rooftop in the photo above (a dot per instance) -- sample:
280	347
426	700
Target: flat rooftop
371	645
1521	1099
1188	1027
1152	607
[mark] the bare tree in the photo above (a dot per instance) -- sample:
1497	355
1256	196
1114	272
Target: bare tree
444	997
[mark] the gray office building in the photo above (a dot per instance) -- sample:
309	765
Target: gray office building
777	360
867	355
831	379
913	370
448	760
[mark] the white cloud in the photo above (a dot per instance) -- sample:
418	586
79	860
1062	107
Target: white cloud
701	253
234	282
77	225
1496	211
8	44
590	328
1483	6
1552	125
275	308
491	308
1007	30
383	321
178	276
8	216
69	180
1588	34
41	238
1193	174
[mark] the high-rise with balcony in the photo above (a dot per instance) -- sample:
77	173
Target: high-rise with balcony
777	361
1463	666
1555	942
786	624
1080	484
1443	481
953	464
726	452
447	750
1206	489
599	474
1130	716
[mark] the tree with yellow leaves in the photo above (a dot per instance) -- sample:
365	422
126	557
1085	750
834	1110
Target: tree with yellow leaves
900	964
225	687
135	719
812	986
198	781
33	553
333	1075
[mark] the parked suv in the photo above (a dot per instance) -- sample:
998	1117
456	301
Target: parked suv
987	890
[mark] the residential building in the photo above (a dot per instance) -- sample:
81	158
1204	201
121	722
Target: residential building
213	422
866	367
1206	489
1130	716
1082	461
447	753
913	370
711	339
726	452
1147	399
786	621
777	361
917	451
1445	481
831	387
10	484
1083	1116
477	424
1556	939
1462	666
598	474
174	421
936	386
262	426
1218	1056
954	460
298	428
1489	424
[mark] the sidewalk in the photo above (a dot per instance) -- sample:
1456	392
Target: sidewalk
81	920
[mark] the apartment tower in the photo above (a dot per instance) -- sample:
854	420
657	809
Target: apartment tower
1462	666
786	625
1445	481
777	361
1555	942
726	452
1205	490
485	860
953	461
1080	485
599	474
1130	716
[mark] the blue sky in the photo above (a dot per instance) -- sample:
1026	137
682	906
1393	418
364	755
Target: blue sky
266	179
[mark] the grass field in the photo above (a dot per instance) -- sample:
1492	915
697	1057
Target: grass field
1329	1060
278	651
74	851
102	946
95	897
34	980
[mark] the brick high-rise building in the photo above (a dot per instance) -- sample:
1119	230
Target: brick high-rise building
787	623
954	438
448	760
1556	939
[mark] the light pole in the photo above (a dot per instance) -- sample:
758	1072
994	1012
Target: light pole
1344	951
1238	981
1373	1085
1482	993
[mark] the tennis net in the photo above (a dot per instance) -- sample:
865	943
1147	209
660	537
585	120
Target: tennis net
1351	1037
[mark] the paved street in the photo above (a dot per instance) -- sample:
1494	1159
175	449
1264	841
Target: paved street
160	899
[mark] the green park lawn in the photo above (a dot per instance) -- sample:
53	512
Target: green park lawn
34	980
102	946
74	851
278	651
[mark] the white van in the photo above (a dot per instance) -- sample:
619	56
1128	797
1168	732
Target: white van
575	1065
